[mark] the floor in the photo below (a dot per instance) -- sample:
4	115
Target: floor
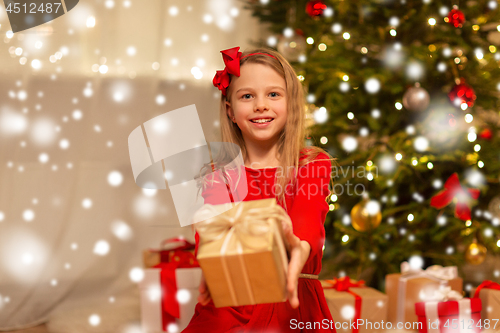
36	329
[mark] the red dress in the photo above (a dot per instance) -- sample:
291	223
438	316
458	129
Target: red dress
307	208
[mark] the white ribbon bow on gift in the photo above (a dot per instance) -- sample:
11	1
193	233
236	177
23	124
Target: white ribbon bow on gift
436	272
444	294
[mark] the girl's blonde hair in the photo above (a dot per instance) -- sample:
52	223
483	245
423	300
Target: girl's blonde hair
291	141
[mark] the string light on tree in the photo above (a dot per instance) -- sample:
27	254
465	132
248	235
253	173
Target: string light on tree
421	143
311	98
443	11
291	45
349	143
344	86
336	28
441	220
393	56
416	262
320	115
394	21
437	183
475	177
387	164
363	131
441	67
415	70
372	85
272	41
479	53
410	129
328	12
447	52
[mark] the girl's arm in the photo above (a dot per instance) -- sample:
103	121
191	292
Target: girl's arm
308	213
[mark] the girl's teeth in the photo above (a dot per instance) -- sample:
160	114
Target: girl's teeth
261	120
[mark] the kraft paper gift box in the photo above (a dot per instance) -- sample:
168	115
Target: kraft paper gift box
449	312
173	249
414	285
343	308
242	252
489	293
153	317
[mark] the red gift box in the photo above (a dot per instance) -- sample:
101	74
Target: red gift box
449	317
173	249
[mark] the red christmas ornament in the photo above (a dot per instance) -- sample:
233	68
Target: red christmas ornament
462	93
456	17
315	8
486	134
453	189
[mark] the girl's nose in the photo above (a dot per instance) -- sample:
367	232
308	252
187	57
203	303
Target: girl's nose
260	105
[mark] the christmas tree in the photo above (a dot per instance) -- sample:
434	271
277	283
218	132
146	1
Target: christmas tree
405	95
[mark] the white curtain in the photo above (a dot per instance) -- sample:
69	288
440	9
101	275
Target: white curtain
70	231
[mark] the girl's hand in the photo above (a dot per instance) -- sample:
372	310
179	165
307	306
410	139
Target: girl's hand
299	253
204	296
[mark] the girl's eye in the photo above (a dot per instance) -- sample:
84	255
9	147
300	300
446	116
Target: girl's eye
274	94
245	96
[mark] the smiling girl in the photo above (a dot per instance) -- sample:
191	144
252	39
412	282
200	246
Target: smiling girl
262	111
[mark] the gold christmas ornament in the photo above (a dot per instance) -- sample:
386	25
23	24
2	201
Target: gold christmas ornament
475	253
366	215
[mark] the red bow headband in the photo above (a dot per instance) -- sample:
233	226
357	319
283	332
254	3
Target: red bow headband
231	59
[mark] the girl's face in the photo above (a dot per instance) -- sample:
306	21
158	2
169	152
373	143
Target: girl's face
258	103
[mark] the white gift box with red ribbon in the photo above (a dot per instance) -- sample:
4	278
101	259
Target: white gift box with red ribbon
188	280
448	312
